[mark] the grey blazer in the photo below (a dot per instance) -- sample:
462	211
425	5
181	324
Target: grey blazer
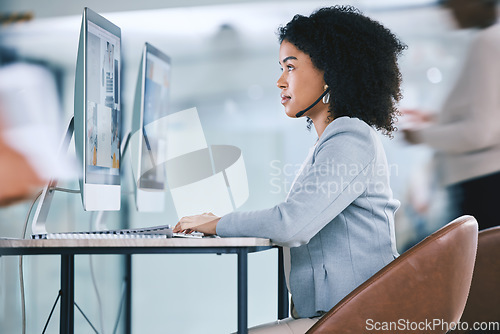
338	218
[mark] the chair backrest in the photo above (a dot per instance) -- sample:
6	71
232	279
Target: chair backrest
483	304
427	284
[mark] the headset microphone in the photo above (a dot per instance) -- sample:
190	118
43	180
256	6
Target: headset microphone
300	113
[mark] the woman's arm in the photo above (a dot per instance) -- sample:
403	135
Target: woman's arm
340	172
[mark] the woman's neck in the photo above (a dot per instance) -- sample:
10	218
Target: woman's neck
321	122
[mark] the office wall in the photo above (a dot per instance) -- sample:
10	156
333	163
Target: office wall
225	63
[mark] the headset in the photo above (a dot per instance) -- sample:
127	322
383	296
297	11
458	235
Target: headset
300	113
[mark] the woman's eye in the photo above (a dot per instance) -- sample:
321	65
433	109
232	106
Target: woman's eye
288	67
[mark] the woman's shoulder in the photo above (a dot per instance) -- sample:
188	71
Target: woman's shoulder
347	126
348	135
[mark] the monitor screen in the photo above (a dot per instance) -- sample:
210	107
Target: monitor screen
156	101
102	156
98	112
149	142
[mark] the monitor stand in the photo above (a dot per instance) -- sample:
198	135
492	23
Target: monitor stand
42	210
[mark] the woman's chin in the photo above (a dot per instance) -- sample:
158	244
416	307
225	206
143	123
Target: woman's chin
290	113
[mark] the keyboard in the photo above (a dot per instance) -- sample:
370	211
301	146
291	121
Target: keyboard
155	232
195	235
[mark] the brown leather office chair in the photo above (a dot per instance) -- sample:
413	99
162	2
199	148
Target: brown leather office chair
483	304
429	281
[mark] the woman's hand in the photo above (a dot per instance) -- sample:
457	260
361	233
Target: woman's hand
205	223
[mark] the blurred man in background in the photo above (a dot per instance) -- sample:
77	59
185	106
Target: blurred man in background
30	131
466	133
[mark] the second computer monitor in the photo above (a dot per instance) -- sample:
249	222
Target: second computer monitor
148	142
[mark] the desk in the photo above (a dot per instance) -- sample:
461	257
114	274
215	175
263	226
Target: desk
68	248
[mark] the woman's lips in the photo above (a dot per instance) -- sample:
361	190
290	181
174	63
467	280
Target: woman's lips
285	99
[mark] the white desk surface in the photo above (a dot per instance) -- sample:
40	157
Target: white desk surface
111	243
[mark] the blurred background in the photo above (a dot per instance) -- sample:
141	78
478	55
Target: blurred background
225	63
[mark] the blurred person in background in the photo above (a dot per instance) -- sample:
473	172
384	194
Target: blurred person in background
18	179
466	133
29	131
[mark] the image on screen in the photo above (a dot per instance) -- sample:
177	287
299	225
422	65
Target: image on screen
102	156
156	103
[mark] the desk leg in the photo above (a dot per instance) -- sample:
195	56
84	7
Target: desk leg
242	291
67	294
128	294
282	289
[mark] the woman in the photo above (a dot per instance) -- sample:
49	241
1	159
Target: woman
339	71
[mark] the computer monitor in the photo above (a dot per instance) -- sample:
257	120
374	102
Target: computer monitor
98	112
148	142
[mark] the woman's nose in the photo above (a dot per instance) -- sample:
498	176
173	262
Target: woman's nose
281	83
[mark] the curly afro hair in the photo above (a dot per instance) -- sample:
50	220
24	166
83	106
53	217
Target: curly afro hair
359	60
